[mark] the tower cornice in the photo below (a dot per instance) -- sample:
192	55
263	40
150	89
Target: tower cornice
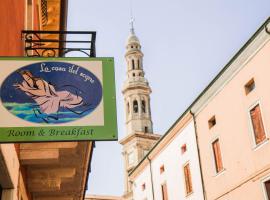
133	52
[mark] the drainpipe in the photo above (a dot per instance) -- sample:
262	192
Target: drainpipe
198	149
151	174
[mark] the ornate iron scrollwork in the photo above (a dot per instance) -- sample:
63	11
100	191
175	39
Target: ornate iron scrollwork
55	44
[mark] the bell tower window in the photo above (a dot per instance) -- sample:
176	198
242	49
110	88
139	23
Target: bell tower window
138	63
133	64
128	110
146	129
135	106
143	106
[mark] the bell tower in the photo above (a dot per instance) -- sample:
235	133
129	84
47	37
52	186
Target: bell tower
136	89
139	127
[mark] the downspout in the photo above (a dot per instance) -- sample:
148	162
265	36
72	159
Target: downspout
198	151
151	175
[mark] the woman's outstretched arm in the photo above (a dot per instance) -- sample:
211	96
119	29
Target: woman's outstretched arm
39	91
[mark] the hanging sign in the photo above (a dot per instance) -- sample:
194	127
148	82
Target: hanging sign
57	99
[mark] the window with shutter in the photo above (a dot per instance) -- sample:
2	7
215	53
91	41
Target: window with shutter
257	124
267	189
250	86
161	169
217	156
164	191
188	182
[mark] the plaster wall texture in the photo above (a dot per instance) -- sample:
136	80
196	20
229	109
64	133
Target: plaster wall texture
174	161
245	163
12	15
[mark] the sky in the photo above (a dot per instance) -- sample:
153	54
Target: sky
185	44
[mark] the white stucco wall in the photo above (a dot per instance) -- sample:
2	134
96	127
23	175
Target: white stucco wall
173	161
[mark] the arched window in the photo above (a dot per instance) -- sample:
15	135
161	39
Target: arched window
143	106
138	63
128	110
133	64
135	106
133	74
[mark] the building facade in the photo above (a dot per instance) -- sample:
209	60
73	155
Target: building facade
232	118
170	170
39	171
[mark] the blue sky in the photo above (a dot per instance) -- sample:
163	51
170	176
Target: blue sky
185	43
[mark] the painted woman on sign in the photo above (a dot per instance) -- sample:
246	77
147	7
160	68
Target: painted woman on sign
47	98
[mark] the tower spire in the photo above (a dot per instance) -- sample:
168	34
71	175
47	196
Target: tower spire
132	25
131	19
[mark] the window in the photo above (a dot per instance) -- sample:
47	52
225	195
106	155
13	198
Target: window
267	189
250	86
217	155
183	148
212	122
138	64
133	74
143	106
161	169
164	191
146	129
128	110
133	64
257	124
135	106
188	182
143	186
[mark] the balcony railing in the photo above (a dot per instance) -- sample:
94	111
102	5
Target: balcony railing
59	43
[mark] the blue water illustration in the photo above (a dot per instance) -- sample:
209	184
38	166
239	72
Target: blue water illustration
30	112
51	92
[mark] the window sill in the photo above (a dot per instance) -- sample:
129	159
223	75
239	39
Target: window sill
258	146
220	172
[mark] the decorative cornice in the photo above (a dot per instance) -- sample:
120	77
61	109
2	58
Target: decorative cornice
130	137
